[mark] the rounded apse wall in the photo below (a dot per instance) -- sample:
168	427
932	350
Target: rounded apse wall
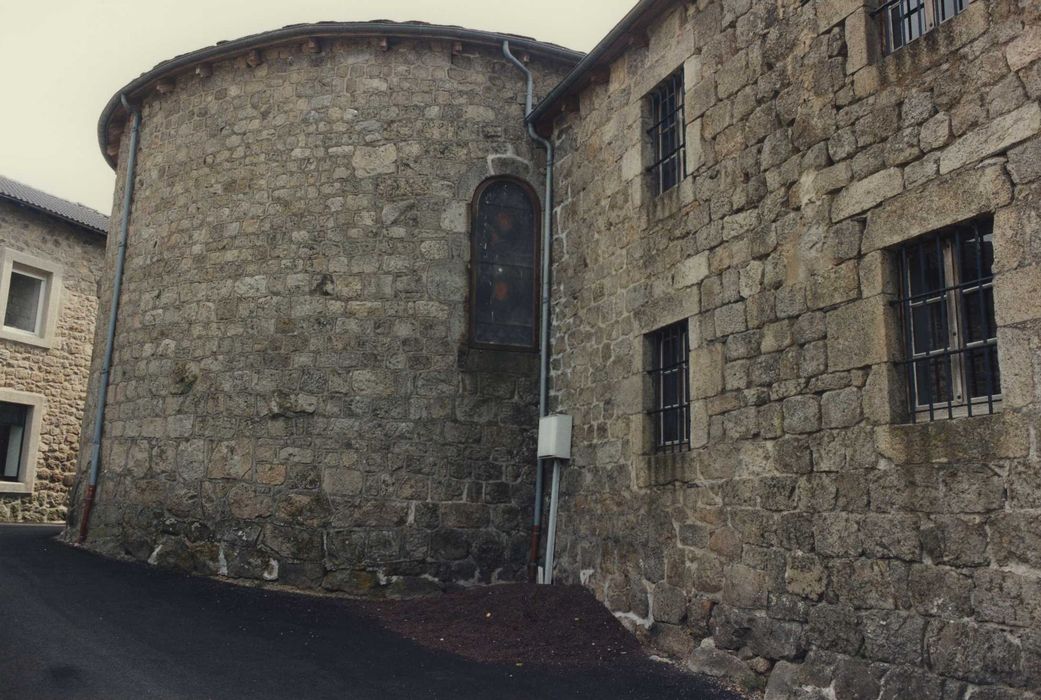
295	395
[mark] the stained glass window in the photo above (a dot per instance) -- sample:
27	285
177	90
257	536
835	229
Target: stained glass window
505	255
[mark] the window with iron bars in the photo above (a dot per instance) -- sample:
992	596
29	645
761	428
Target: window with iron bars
947	313
670	377
667	134
903	21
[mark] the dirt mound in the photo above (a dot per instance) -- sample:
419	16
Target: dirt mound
517	623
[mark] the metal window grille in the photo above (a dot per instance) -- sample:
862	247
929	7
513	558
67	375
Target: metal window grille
667	134
903	21
947	313
670	377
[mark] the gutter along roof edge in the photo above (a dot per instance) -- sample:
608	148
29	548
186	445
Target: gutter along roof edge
229	49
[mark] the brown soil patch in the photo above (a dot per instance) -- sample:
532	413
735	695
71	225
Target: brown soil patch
516	623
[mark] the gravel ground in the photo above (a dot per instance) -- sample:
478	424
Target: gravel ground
551	625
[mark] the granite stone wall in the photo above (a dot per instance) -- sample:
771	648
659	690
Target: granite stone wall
811	536
293	396
58	373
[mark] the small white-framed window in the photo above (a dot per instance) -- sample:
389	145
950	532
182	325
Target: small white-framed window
21	415
30	292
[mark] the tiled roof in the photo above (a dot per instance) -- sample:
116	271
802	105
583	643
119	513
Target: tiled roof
78	214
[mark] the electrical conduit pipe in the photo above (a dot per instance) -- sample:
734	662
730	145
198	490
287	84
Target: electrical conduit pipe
117	286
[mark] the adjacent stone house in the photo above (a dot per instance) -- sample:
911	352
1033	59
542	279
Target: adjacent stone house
51	256
794	307
765	211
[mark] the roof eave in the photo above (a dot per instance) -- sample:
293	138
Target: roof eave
55	215
630	29
136	88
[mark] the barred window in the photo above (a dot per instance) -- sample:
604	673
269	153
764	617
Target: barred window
667	134
503	289
947	312
670	377
903	21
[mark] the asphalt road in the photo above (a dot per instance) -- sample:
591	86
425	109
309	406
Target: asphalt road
74	625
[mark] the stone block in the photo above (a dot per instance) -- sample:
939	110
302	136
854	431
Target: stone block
669	604
706	371
295	543
1025	49
1017	295
772	639
719	664
855	678
860	335
464	515
893	636
837	535
935	132
975	653
692	271
1015	539
1017	237
980	440
936	204
864	194
1007	598
369	161
835	628
906	682
1024	162
841	409
806	576
831	12
891	536
996	136
744	587
956	541
867	584
802	414
340	481
231	460
940	592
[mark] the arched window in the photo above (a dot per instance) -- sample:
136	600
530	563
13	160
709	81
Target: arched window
504	260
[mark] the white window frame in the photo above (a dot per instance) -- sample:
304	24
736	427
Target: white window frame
33	423
12	261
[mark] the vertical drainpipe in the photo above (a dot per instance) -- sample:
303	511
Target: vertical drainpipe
117	286
547	242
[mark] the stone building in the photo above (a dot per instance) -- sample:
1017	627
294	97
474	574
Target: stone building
298	392
806	196
51	256
795	318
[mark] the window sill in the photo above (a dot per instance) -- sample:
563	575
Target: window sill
979	439
670	202
17	336
935	46
17	488
661	469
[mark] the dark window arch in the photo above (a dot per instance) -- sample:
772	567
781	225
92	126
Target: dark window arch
504	262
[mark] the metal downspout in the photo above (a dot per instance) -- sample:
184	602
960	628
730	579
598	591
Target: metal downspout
547	242
117	286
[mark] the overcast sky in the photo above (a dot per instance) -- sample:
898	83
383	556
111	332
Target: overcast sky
61	60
